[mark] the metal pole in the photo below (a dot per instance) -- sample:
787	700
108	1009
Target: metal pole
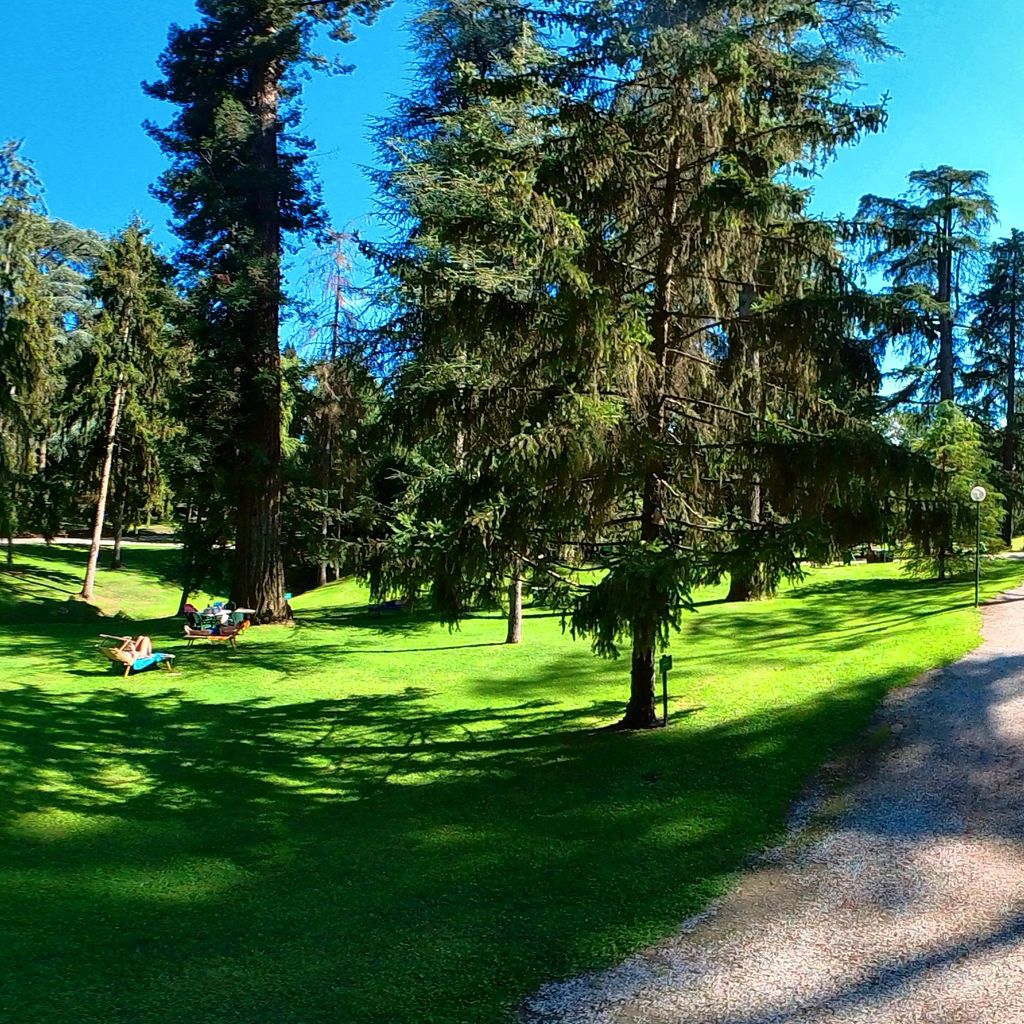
664	697
977	555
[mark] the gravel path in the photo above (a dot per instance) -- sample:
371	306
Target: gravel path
908	907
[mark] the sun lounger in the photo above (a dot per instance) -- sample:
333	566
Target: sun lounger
120	656
226	633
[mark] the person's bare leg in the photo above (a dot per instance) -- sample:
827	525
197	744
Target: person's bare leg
143	647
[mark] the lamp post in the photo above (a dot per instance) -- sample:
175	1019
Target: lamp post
978	495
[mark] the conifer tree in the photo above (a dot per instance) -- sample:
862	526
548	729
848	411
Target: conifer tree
589	341
334	402
43	310
942	527
704	221
488	260
128	368
925	242
26	345
239	186
997	312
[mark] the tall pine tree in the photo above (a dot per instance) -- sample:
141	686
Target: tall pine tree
128	370
997	311
925	242
588	363
239	186
44	315
485	260
709	239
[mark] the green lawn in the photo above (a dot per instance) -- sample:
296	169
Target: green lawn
365	819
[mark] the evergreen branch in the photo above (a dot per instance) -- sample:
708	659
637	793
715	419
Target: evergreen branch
681	399
543	568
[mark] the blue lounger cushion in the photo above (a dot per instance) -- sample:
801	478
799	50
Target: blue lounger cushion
153	659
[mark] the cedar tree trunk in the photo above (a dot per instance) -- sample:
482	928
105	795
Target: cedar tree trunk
1010	433
945	296
101	502
115	561
515	609
640	711
750	584
258	579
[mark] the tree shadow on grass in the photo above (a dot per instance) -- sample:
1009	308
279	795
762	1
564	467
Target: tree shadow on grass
426	650
398	623
381	623
48	592
880	874
335	859
70	560
331	860
31	594
44	579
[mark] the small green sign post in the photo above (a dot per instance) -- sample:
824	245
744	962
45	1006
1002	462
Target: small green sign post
664	665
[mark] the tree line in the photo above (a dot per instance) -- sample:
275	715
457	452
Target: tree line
608	352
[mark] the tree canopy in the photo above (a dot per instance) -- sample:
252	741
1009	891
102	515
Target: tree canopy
605	355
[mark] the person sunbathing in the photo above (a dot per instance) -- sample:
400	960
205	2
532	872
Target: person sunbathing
138	647
136	653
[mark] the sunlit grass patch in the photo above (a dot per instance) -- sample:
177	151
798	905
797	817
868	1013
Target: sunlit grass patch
369	818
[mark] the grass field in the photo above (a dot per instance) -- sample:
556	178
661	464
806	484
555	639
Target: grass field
362	819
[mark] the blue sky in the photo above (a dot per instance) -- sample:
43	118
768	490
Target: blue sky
70	74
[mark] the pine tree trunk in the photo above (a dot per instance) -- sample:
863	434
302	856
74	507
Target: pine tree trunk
10	550
515	609
743	586
186	593
1010	433
640	711
321	575
115	560
750	584
101	502
324	533
945	296
336	566
327	461
258	578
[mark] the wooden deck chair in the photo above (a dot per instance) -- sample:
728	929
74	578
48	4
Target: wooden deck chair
121	656
227	633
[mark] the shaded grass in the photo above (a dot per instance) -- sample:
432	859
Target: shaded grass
371	819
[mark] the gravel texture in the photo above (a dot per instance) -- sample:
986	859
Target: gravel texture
907	906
